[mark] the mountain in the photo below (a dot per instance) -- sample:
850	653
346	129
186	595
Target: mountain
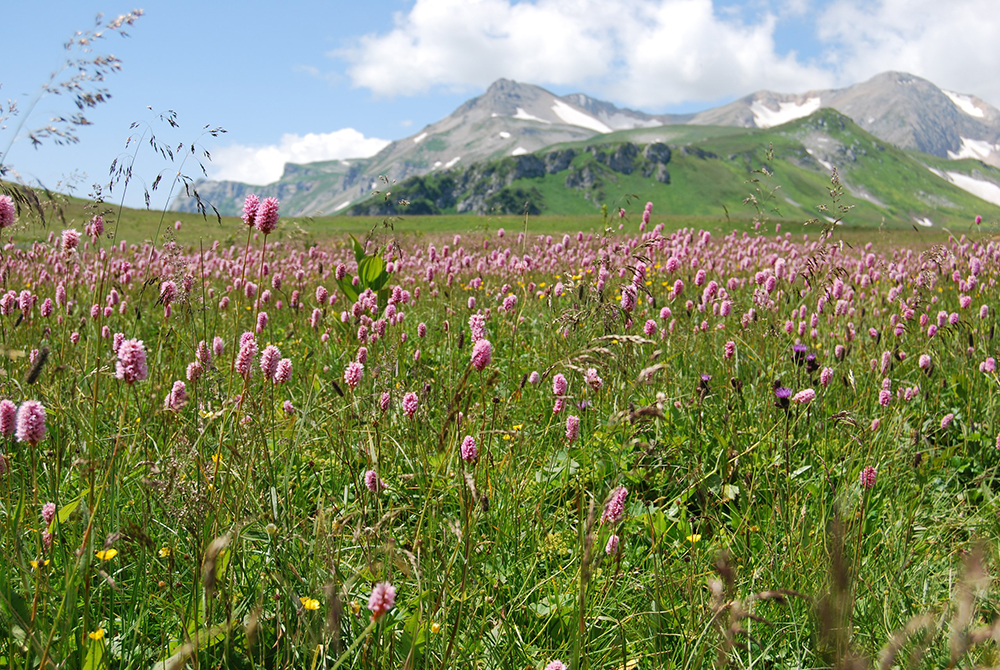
713	168
899	108
512	119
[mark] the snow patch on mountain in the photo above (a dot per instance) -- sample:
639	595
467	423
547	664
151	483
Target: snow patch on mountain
978	149
520	151
525	116
765	117
419	138
575	117
452	162
965	103
980	188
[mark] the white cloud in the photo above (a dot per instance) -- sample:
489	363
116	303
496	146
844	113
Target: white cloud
265	164
641	52
952	44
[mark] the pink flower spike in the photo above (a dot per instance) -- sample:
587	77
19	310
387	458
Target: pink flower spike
382	599
266	218
614	510
250	205
30	422
131	365
482	354
469	451
804	397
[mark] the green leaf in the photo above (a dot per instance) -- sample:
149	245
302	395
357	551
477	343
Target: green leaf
95	655
359	251
347	288
369	270
63	515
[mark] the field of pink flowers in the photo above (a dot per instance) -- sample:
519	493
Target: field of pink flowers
638	449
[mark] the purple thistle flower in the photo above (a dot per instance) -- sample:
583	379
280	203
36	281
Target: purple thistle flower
382	599
799	353
267	215
8	414
250	205
482	354
614	510
30	422
131	365
868	476
782	394
469	451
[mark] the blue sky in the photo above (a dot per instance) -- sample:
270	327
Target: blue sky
320	80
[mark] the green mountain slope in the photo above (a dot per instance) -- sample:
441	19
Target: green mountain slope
705	170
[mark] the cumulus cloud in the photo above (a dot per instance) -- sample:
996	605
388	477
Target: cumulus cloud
265	164
640	52
953	44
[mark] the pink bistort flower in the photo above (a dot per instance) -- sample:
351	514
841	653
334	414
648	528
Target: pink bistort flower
30	422
269	361
482	354
131	365
8	414
382	599
614	510
469	451
410	402
250	205
572	427
353	373
7	211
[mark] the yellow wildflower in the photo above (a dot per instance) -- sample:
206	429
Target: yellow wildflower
97	634
694	539
164	552
309	603
107	554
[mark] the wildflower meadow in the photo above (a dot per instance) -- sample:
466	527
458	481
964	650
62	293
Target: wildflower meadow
633	447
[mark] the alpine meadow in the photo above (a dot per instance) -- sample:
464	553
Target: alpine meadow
548	384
